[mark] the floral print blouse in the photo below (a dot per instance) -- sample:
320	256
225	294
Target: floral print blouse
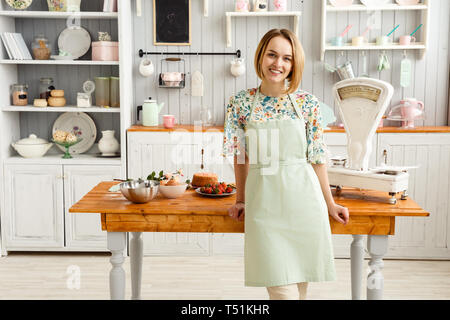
272	108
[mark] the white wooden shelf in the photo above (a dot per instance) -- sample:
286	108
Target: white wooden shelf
295	14
374	46
62	62
59	109
78	159
58	15
386	7
423	8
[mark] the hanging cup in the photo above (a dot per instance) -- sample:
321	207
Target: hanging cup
146	67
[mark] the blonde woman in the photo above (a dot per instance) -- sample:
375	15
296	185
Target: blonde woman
275	135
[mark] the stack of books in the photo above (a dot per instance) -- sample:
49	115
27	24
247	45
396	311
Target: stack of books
15	46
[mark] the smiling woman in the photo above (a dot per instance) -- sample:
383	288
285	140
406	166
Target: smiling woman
287	230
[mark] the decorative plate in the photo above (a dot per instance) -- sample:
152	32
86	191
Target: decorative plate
407	2
61	57
215	195
75	41
80	124
19	4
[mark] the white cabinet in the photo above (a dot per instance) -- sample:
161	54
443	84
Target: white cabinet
37	200
33	207
83	230
429	186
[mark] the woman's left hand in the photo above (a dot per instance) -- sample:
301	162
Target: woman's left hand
339	213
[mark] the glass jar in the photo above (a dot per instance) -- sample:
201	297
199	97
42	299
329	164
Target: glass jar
41	48
102	91
19	93
45	86
114	96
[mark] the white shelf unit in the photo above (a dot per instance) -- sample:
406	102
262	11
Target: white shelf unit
59	109
422	7
295	14
62	62
83	171
58	15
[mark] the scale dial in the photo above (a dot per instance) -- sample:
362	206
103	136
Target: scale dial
359	91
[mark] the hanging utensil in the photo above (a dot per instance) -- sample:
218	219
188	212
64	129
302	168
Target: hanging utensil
405	71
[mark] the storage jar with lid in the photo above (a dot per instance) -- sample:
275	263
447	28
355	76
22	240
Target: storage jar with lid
114	94
41	48
102	91
19	93
105	51
45	86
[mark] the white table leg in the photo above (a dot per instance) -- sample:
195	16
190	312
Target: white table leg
116	244
136	253
357	258
377	247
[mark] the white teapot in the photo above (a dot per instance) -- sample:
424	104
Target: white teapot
237	67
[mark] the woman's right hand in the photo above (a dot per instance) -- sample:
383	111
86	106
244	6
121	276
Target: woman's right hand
237	211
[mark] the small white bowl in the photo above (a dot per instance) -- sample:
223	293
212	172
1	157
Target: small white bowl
173	192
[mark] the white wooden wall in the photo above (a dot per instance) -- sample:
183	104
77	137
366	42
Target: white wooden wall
430	75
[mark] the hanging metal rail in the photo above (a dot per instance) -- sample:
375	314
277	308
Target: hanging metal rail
237	53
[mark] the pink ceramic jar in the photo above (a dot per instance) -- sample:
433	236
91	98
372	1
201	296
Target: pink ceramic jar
105	51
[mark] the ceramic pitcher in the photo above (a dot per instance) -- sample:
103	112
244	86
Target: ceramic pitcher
108	144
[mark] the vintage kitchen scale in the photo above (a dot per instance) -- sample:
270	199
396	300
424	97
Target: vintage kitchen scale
362	102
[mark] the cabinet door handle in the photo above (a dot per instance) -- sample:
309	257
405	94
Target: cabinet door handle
385	156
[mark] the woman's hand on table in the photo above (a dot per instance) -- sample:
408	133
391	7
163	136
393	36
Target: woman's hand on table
339	213
237	211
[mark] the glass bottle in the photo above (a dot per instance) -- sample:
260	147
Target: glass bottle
45	86
41	48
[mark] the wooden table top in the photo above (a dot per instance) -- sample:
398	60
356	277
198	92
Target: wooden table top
100	200
370	212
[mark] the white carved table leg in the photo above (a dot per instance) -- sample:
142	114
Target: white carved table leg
136	253
377	247
357	258
116	244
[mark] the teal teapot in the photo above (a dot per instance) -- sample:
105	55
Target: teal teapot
150	112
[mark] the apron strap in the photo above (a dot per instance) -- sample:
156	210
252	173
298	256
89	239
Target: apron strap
296	107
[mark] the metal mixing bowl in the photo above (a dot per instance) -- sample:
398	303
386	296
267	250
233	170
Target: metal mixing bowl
139	191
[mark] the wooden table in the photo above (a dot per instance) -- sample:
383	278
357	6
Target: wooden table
370	214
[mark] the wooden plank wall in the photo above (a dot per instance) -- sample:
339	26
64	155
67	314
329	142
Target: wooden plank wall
430	75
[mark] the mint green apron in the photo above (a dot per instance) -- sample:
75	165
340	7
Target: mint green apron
287	231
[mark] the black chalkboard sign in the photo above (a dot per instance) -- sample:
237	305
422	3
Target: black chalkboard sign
172	22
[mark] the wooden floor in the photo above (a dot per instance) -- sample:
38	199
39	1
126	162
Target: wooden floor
48	276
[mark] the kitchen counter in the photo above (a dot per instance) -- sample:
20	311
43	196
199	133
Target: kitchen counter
191	128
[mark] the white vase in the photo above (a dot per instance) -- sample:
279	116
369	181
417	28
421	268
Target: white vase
108	144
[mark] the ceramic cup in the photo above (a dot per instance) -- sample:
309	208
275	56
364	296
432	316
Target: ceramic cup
383	41
169	121
358	41
337	41
406	40
146	67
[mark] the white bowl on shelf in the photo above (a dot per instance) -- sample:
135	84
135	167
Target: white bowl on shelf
173	192
32	147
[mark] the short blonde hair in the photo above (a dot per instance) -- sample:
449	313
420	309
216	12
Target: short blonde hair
298	57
